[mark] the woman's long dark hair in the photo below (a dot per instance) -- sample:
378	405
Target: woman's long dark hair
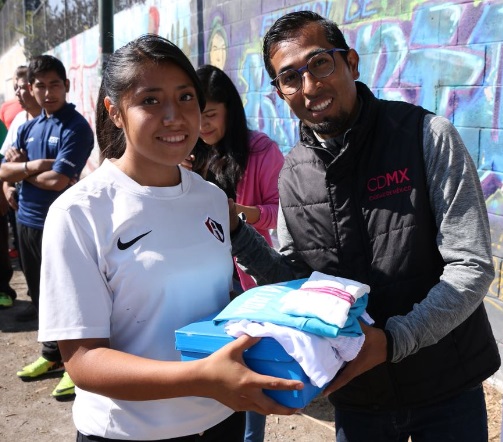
230	156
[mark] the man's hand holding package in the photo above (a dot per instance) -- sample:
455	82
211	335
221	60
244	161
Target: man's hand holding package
372	353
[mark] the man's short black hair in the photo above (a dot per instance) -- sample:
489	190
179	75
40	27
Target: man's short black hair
45	63
290	24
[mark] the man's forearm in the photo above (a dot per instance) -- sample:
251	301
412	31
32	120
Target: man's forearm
49	180
257	258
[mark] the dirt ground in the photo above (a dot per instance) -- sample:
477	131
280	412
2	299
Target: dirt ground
28	412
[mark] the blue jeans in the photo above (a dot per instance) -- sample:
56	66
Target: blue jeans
255	427
255	422
462	418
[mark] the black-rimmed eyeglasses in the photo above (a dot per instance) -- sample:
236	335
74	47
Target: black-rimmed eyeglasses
320	65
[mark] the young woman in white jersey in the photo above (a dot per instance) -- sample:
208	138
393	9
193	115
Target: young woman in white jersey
138	249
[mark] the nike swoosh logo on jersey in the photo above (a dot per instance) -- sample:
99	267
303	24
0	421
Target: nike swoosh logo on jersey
125	245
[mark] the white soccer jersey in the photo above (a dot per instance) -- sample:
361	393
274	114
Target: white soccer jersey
133	264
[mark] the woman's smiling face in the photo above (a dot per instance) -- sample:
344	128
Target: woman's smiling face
213	122
161	119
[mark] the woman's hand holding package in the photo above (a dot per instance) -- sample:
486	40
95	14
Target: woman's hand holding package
232	383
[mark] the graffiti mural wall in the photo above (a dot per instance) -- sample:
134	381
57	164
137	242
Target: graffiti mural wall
444	56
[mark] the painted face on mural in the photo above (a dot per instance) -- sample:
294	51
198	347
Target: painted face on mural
218	50
213	122
326	105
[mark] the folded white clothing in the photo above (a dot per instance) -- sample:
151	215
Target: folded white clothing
320	358
311	303
326	297
355	288
347	347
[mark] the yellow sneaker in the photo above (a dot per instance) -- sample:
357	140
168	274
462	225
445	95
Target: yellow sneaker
38	368
65	389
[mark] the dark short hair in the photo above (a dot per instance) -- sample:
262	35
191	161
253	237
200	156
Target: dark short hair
45	63
290	24
21	72
120	75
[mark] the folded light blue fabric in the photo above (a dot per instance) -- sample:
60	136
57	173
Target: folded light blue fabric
263	304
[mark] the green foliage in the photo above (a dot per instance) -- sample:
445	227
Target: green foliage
48	26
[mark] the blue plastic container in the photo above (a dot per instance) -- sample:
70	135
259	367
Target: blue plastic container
200	339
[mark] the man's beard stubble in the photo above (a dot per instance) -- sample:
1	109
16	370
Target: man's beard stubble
331	126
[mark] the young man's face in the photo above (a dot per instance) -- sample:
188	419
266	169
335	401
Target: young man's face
326	105
50	91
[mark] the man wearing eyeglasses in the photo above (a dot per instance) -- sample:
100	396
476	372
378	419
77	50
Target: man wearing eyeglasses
384	193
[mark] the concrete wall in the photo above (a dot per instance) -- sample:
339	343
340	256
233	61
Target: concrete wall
8	64
445	56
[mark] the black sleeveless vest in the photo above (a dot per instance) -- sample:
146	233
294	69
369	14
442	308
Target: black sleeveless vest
365	215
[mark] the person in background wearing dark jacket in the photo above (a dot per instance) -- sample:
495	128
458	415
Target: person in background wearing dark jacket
385	193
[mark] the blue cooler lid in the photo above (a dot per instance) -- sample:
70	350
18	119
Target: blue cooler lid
206	337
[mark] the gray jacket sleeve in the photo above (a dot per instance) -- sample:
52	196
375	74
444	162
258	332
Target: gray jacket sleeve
463	240
265	264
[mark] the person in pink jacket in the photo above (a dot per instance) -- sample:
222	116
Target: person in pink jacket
244	163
